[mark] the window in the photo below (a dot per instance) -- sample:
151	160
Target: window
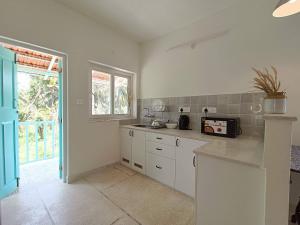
110	92
101	89
121	100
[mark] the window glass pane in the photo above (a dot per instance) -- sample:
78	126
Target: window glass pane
101	99
121	95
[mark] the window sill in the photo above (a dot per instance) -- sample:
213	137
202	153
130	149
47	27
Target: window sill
111	118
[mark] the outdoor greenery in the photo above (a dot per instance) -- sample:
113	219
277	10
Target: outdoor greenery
37	101
102	96
121	95
40	100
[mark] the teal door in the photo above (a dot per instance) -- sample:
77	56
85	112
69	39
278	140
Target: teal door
60	118
9	163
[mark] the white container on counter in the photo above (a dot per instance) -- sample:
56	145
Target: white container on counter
275	105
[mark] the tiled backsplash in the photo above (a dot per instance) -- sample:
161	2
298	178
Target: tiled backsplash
243	105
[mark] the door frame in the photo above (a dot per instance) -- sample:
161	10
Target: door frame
64	56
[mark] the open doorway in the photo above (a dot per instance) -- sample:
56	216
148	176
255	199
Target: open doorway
38	88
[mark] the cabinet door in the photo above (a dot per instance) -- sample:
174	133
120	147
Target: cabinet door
126	142
138	151
185	170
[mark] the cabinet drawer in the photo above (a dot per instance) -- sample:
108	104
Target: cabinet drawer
161	138
160	149
161	169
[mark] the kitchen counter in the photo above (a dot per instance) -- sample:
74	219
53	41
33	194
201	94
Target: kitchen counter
243	149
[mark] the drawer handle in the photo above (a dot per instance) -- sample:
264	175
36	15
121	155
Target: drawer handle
177	142
158	167
194	159
138	165
125	160
159	149
159	138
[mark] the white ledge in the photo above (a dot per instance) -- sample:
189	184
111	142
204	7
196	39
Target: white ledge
279	117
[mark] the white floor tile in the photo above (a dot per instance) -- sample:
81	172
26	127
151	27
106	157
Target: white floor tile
106	177
21	209
151	203
114	195
125	220
79	203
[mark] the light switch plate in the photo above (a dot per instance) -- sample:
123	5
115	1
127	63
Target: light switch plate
79	101
210	109
185	109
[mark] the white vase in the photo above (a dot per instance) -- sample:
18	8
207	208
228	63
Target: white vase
275	105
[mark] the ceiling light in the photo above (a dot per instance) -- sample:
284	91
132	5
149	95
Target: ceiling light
287	8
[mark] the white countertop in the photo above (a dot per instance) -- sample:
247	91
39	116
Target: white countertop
243	149
279	117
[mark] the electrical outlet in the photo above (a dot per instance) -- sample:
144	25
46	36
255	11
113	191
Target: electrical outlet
184	109
210	109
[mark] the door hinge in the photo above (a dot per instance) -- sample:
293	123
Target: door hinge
59	120
18	181
60	168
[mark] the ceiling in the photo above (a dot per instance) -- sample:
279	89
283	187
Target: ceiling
144	20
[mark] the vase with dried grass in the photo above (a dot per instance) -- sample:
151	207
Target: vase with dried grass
276	100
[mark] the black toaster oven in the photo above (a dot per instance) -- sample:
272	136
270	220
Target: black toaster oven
224	127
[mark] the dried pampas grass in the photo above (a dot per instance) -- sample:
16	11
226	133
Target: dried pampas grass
268	83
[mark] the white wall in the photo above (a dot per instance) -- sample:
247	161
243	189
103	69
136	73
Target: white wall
49	24
223	65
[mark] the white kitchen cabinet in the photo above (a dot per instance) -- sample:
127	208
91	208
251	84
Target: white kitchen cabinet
138	151
164	158
185	165
133	150
126	144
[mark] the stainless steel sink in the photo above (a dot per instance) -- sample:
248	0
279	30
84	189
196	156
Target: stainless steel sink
147	126
141	125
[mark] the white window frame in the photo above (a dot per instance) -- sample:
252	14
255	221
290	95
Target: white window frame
113	71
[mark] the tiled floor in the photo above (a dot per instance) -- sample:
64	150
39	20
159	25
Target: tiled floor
38	173
111	195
